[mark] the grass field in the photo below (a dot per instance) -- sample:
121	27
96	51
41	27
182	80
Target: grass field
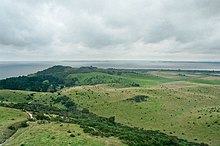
122	80
182	107
186	105
18	96
57	134
9	117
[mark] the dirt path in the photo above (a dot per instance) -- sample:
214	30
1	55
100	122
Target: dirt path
30	116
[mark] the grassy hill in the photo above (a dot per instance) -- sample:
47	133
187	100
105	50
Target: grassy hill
181	108
57	134
179	112
58	77
9	117
92	124
101	106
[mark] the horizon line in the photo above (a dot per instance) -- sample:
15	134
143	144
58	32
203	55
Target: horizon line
109	60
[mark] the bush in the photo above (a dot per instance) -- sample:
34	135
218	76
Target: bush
24	124
11	128
85	110
139	98
111	119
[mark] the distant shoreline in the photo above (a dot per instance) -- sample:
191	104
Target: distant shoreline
19	68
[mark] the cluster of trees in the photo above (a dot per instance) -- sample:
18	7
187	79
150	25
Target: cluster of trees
66	101
33	83
133	84
138	98
99	126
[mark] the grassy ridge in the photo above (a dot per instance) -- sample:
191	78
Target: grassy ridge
9	117
57	134
58	77
99	126
168	106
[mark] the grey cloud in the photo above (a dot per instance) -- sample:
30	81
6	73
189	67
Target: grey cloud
209	8
17	28
111	27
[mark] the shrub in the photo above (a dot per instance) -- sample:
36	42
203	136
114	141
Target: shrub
139	98
85	110
111	119
24	124
11	128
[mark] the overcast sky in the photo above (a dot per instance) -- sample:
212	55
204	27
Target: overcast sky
110	29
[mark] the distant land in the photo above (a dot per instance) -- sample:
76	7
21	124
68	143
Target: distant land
18	68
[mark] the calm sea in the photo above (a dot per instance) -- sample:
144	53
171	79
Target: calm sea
12	69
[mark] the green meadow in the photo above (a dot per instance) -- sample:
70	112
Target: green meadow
57	134
9	117
182	108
